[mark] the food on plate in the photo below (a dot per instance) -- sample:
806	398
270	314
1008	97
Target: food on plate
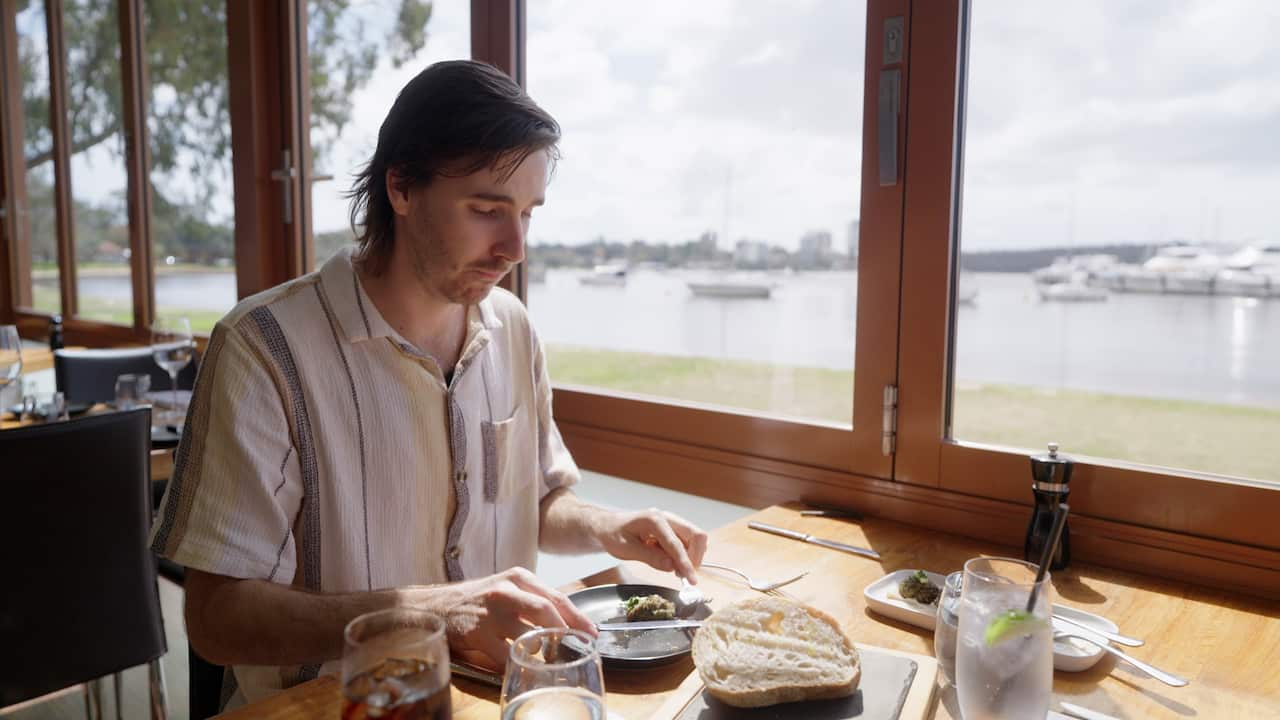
771	650
650	607
918	587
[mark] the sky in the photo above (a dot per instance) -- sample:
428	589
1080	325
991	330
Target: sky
1091	122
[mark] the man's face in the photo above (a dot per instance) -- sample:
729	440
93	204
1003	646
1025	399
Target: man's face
462	234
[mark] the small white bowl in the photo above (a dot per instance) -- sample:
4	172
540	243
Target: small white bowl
1068	655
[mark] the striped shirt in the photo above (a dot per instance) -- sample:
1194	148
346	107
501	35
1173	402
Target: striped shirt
323	450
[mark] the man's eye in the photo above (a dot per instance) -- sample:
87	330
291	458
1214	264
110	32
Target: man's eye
489	213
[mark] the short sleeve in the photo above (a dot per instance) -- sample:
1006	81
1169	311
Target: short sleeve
236	489
557	466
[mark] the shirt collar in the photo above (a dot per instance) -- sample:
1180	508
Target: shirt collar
358	317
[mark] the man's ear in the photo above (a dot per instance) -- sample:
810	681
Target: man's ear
397	191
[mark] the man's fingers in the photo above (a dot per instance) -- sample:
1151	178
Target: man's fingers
567	612
674	549
494	647
693	538
536	610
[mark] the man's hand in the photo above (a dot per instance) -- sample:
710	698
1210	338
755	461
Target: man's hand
485	614
661	539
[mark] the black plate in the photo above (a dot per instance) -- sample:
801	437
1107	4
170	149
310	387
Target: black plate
640	648
73	409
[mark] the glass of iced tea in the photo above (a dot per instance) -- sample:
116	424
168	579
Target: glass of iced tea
395	666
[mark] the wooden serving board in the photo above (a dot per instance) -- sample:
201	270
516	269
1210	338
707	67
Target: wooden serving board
895	685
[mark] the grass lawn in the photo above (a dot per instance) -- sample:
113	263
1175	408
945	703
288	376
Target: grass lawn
1226	439
120	312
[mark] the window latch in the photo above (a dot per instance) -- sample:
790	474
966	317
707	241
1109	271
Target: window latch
285	176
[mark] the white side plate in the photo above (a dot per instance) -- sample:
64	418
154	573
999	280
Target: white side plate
1068	655
882	596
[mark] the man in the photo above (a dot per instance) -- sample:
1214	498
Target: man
379	433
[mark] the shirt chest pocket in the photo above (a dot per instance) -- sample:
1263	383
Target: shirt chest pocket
507	463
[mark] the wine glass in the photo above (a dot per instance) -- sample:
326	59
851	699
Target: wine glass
10	356
395	664
553	673
172	347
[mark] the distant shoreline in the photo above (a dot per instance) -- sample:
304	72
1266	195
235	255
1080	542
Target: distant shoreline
83	270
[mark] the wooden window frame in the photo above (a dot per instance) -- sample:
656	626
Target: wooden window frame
1180	525
15	230
268	251
1190	525
627	422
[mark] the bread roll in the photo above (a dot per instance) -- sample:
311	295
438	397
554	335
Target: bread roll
769	650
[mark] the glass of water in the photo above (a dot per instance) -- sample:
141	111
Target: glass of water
131	390
1004	660
172	346
10	356
553	673
947	627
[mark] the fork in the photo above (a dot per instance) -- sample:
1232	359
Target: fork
756	585
1163	676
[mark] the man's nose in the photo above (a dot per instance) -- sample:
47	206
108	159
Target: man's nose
510	246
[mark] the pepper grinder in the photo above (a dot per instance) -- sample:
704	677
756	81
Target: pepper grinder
55	332
1051	478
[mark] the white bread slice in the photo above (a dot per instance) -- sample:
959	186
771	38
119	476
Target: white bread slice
771	650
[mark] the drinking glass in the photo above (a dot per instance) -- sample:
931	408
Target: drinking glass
10	357
553	673
947	628
131	391
1008	672
395	666
172	346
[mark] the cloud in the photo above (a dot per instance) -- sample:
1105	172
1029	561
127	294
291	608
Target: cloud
1099	121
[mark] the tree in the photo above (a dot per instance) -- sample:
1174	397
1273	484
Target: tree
189	117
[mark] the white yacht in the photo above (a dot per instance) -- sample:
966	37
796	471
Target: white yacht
730	290
1253	272
606	275
1074	290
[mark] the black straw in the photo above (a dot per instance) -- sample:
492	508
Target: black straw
1051	547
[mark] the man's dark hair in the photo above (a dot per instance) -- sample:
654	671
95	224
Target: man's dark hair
455	118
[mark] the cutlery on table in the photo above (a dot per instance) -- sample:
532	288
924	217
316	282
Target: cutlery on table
805	537
1066	624
648	625
1165	677
1084	713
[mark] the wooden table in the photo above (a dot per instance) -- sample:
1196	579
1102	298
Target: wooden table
1227	645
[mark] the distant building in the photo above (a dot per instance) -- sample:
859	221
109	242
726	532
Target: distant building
853	239
815	250
750	253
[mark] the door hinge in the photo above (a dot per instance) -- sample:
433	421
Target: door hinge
889	421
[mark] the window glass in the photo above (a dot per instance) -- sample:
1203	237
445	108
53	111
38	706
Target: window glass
700	233
1120	237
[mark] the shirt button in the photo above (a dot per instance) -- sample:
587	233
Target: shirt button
462	476
454	552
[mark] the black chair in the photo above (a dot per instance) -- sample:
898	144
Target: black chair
89	376
79	599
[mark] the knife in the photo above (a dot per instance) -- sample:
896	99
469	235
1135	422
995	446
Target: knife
648	625
1072	626
805	537
471	672
1084	712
